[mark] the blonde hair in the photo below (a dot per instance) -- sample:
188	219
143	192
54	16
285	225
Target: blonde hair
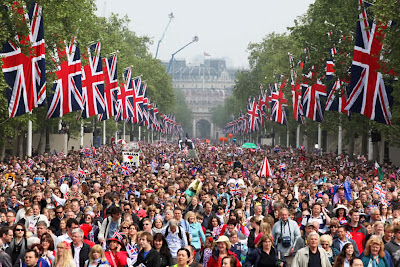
63	259
326	238
98	249
265	228
190	214
263	238
374	239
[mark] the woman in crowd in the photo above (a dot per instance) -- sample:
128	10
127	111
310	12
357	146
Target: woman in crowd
64	255
264	255
133	234
18	245
229	261
345	256
195	206
157	224
47	243
222	250
89	219
97	257
254	232
384	212
160	244
196	233
326	243
214	227
341	213
183	258
116	256
63	227
374	253
378	228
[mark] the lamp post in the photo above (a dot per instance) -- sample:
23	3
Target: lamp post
195	39
170	16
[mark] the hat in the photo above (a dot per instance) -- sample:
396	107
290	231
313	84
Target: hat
310	224
86	228
32	241
225	239
340	206
116	237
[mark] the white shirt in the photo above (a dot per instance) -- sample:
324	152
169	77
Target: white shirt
65	237
77	250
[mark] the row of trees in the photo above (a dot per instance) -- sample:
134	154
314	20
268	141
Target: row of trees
62	20
270	56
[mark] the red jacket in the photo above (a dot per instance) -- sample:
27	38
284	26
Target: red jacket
215	261
118	259
359	234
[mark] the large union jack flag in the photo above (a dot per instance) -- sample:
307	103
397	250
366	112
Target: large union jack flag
312	99
111	87
278	101
67	88
124	97
93	83
25	72
298	113
253	115
138	100
367	92
145	115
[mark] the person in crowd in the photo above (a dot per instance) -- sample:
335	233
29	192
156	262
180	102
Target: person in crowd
317	214
47	243
229	261
111	224
161	246
64	255
18	245
345	256
196	233
326	243
80	250
59	212
222	250
356	229
31	258
97	257
285	233
312	255
207	252
176	237
6	236
42	262
183	258
148	256
388	233
71	225
393	246
374	253
264	255
342	239
116	254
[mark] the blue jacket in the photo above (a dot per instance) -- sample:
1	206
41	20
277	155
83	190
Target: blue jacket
196	233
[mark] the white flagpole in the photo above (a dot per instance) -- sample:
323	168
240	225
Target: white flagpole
370	147
140	130
287	136
29	141
298	136
116	131
340	139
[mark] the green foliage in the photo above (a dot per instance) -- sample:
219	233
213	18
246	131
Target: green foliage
182	112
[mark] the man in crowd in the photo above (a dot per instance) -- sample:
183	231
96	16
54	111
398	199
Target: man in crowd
312	255
356	230
175	236
80	250
342	239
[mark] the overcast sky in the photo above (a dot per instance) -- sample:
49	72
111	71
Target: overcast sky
225	28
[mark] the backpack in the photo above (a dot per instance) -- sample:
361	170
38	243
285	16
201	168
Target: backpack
179	232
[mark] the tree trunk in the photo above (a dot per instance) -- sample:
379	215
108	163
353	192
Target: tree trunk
40	142
2	151
20	146
364	143
351	146
47	146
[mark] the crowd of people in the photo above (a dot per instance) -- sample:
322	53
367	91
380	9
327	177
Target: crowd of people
87	208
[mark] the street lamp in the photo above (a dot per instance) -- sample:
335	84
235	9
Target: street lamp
195	39
170	16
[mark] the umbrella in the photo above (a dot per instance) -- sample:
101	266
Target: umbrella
249	145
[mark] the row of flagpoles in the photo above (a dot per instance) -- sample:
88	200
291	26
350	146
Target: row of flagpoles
92	89
366	91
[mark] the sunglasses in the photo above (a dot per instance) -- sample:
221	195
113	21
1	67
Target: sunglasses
325	244
124	227
58	212
19	230
127	209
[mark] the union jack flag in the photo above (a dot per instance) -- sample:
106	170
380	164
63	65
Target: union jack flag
367	92
132	251
312	99
278	101
145	105
111	88
298	113
115	164
384	201
126	169
62	179
25	74
282	166
318	195
236	190
67	89
253	114
266	197
137	101
30	163
263	105
76	180
125	97
81	172
380	191
93	83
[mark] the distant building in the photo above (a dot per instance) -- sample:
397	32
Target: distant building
205	86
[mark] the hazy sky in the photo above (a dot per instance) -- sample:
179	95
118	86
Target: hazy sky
225	28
